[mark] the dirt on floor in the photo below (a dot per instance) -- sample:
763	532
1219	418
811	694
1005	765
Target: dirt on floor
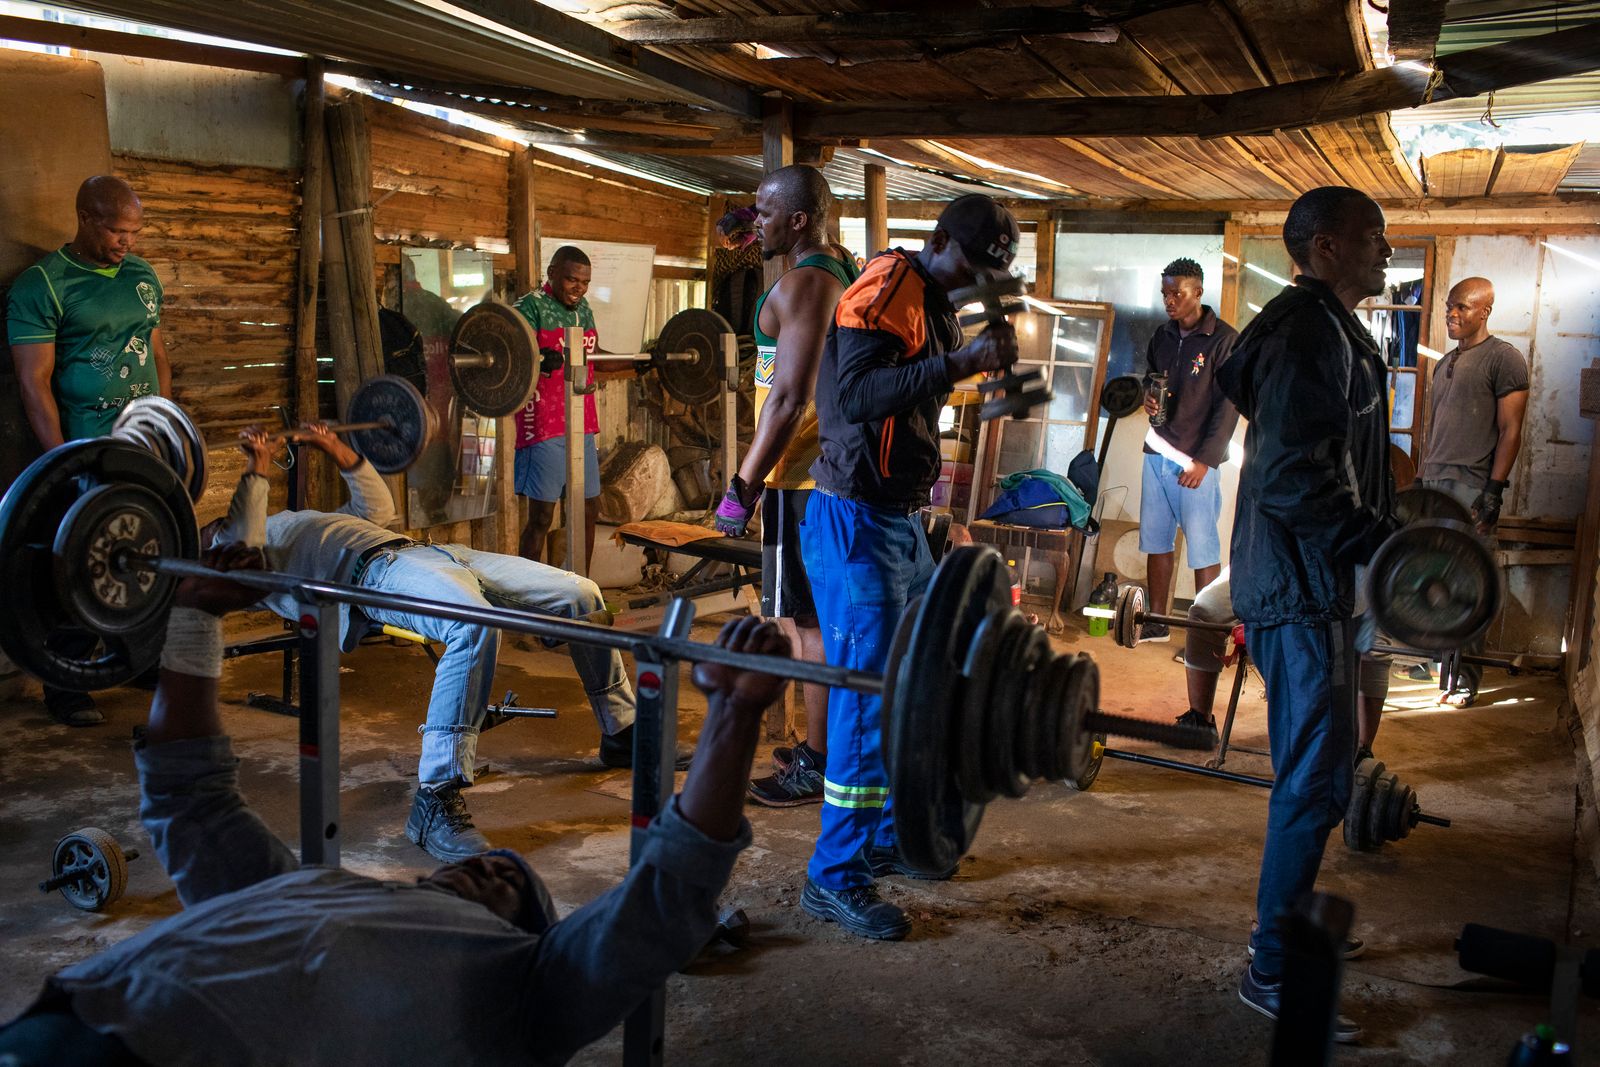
1104	927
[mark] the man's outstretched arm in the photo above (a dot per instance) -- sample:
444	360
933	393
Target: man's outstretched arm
598	964
209	840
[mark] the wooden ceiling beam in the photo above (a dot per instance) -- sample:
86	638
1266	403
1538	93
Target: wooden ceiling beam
1576	206
1414	27
143	46
1279	107
975	22
577	119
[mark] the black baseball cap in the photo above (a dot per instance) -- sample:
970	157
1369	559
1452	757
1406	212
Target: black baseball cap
986	232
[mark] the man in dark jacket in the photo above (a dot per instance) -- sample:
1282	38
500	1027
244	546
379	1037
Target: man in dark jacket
1315	499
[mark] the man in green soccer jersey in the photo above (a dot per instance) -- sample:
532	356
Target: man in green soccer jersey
84	327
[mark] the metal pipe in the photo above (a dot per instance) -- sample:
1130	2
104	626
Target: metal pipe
333	427
1189	768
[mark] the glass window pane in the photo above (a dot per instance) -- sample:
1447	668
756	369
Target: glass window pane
1403	399
1071	387
1019	448
1063	442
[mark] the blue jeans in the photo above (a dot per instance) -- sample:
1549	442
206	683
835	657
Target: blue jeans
864	563
1310	671
457	574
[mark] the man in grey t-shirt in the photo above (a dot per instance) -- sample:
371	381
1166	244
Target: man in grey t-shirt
1479	395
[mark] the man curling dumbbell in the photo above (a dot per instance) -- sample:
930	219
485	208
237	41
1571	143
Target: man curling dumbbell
314	543
274	963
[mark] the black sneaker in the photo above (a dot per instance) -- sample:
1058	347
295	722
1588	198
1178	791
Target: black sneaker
782	757
858	909
71	709
1192	717
1265	996
1353	946
1154	633
798	783
441	825
887	861
1419	672
616	750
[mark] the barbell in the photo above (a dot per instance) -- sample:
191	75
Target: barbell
96	534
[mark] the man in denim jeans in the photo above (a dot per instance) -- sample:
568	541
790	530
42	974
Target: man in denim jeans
354	545
271	962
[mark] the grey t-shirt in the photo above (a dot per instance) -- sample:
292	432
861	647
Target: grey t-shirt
1465	387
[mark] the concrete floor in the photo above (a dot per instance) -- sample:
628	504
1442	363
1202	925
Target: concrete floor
1104	927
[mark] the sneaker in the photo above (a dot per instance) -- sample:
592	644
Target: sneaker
782	757
441	825
858	909
1264	996
616	750
72	709
798	783
1419	672
1154	633
886	861
1353	946
1192	717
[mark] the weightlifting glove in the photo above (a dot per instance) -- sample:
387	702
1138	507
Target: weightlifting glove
1486	509
551	360
733	514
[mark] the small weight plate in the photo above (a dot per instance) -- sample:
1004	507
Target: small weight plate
1130	605
37	629
106	520
390	398
696	330
166	429
934	821
1418	503
1080	696
1433	585
1005	707
1091	771
504	384
101	863
1356	812
1121	397
1012	690
1378	828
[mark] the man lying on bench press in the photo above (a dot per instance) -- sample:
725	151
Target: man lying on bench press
355	539
274	963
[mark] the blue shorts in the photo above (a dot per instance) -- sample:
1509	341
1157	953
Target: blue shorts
1164	505
540	470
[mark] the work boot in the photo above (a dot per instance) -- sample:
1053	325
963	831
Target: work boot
71	709
1353	946
1154	633
887	861
616	750
800	782
441	825
1265	995
1192	717
858	909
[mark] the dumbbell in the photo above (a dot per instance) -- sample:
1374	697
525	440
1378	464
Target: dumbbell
1008	394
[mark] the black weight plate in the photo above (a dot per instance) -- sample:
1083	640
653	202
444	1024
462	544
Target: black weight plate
1394	811
1378	829
1418	503
1356	832
506	383
1016	402
934	822
1433	585
390	398
1130	605
155	418
36	631
1121	397
1007	687
1036	708
103	522
1091	770
1406	804
696	330
974	721
1080	696
891	673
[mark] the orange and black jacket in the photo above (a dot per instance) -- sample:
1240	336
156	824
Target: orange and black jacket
883	381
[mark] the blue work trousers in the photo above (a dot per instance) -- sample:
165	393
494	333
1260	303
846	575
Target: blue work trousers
864	564
1310	671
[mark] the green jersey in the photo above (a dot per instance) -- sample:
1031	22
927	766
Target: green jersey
100	320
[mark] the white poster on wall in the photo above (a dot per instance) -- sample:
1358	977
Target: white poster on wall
619	288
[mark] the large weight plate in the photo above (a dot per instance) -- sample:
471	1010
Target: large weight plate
974	716
934	821
696	330
507	381
1418	503
1433	585
390	398
1125	627
1357	834
1017	653
1121	397
105	521
167	430
37	630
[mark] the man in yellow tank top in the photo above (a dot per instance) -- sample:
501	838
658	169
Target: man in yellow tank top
791	324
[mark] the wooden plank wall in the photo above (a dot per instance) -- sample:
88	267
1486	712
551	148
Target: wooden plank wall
581	202
224	241
437	184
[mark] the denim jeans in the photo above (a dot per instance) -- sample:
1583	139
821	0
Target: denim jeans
864	563
457	574
1310	671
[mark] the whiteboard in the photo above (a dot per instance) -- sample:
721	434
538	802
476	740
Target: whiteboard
619	288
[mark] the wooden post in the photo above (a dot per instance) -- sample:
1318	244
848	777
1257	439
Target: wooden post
877	197
341	326
1232	245
777	150
307	406
350	158
1044	274
525	246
